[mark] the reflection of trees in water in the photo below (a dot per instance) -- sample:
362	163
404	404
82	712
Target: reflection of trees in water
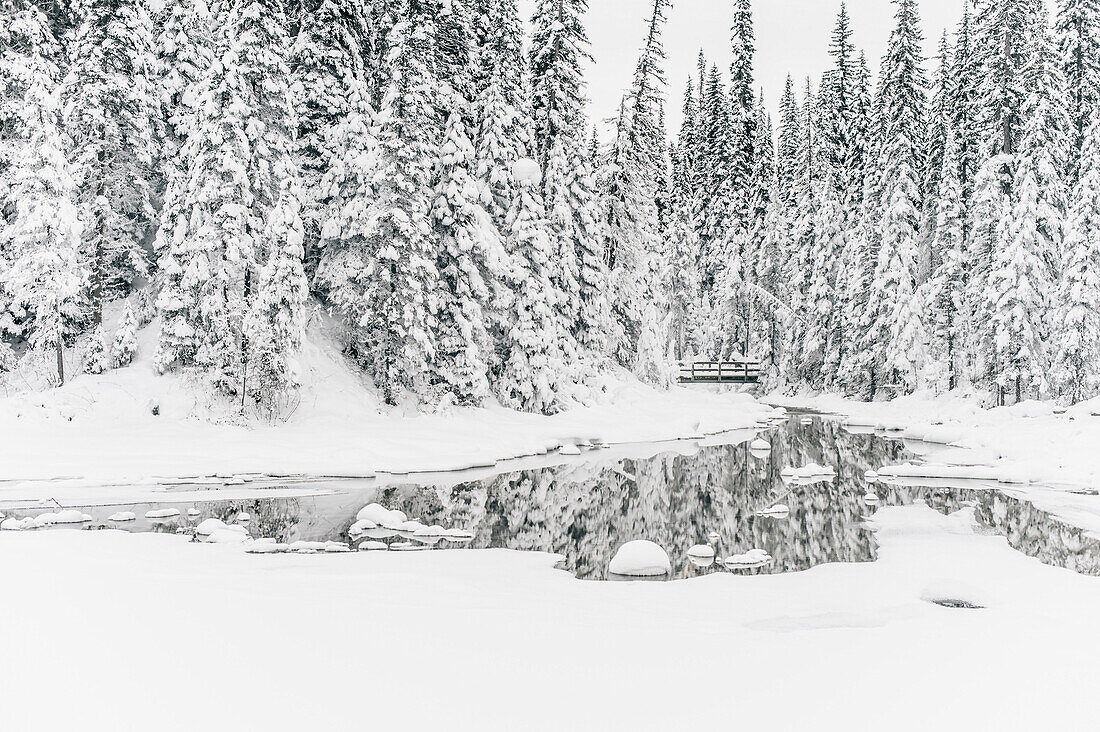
586	511
278	518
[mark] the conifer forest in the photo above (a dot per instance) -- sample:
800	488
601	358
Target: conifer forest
425	173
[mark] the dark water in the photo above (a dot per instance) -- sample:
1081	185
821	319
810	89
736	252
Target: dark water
586	509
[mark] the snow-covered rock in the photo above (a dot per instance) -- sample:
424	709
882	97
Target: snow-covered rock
15	524
779	510
71	516
569	448
360	526
871	476
750	559
123	516
411	526
243	518
194	512
228	535
381	516
162	513
701	555
430	532
640	558
458	535
373	546
209	526
335	547
408	546
760	445
871	498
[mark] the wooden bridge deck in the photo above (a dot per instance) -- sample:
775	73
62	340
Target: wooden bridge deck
721	372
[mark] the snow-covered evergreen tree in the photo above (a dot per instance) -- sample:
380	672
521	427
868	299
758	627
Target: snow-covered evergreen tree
894	342
111	111
948	317
96	356
125	345
1078	38
1076	321
46	280
327	61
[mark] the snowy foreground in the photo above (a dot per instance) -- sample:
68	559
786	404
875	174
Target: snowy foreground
114	631
102	429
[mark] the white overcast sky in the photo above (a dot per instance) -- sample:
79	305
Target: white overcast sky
791	36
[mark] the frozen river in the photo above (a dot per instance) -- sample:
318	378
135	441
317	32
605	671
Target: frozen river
684	495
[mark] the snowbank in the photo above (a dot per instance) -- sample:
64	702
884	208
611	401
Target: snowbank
131	426
300	637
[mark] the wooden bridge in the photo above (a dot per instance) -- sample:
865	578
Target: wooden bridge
745	371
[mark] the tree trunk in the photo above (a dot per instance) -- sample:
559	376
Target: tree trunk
60	364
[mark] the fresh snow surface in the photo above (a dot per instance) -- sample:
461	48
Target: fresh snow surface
640	558
100	430
857	646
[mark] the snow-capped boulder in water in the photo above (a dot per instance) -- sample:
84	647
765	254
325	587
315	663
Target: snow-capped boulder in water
779	510
871	498
749	560
382	516
209	526
14	524
243	518
871	476
162	513
122	516
526	170
640	558
760	445
265	546
701	555
568	448
373	546
228	535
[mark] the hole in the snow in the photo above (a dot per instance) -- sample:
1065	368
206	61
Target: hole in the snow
955	604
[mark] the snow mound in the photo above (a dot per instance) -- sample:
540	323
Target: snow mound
209	526
750	559
811	473
265	546
408	546
701	555
779	510
162	513
123	516
569	448
871	498
228	535
307	547
14	524
381	516
373	546
430	532
871	476
335	547
194	512
760	445
243	518
640	558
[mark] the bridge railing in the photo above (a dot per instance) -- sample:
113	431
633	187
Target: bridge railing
747	371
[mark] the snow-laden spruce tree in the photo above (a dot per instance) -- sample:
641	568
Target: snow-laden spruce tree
111	112
1078	38
125	346
96	356
559	48
472	266
948	316
539	353
327	60
184	49
273	327
825	300
894	341
1076	319
238	222
1016	293
45	284
393	238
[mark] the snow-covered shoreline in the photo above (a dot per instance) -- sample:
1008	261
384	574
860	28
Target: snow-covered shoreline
102	429
211	636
